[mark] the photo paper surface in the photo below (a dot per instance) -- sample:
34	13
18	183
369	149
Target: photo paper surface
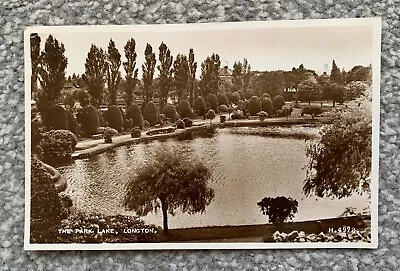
248	135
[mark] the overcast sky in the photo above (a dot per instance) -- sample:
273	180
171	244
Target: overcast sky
266	48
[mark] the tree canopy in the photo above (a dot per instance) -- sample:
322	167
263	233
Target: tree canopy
170	181
51	71
340	163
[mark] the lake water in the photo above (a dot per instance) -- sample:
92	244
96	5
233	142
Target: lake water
245	168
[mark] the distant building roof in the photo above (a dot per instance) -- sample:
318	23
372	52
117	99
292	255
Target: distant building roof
225	72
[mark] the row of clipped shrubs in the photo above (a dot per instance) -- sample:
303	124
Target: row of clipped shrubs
88	119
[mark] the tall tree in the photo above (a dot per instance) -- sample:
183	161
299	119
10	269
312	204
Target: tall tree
181	76
113	74
237	79
192	75
335	76
210	75
246	74
51	69
95	69
165	70
347	145
148	72
35	60
130	70
171	181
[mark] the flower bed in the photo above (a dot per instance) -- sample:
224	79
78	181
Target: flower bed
300	237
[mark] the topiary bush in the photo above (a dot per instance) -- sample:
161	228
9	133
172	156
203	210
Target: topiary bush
89	119
199	106
234	97
57	146
188	122
170	112
267	105
212	101
222	99
312	110
254	106
135	133
223	108
56	118
114	118
180	124
278	102
151	113
146	124
262	115
265	96
134	113
210	115
184	109
237	114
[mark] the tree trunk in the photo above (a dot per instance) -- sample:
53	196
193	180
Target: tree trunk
164	207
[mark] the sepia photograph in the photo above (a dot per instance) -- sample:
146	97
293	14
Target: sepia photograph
247	135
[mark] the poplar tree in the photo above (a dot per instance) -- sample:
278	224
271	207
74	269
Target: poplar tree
148	72
95	68
192	75
51	70
130	70
113	74
165	70
181	76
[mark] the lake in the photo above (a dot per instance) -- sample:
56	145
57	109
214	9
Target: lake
246	165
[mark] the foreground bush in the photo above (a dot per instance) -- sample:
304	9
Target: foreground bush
300	237
57	146
114	118
89	119
46	206
279	209
56	118
150	113
134	113
103	229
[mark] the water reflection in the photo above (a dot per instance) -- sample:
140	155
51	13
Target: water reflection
245	168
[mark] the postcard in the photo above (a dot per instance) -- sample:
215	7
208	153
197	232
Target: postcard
246	135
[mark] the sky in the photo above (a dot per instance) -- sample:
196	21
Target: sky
265	47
